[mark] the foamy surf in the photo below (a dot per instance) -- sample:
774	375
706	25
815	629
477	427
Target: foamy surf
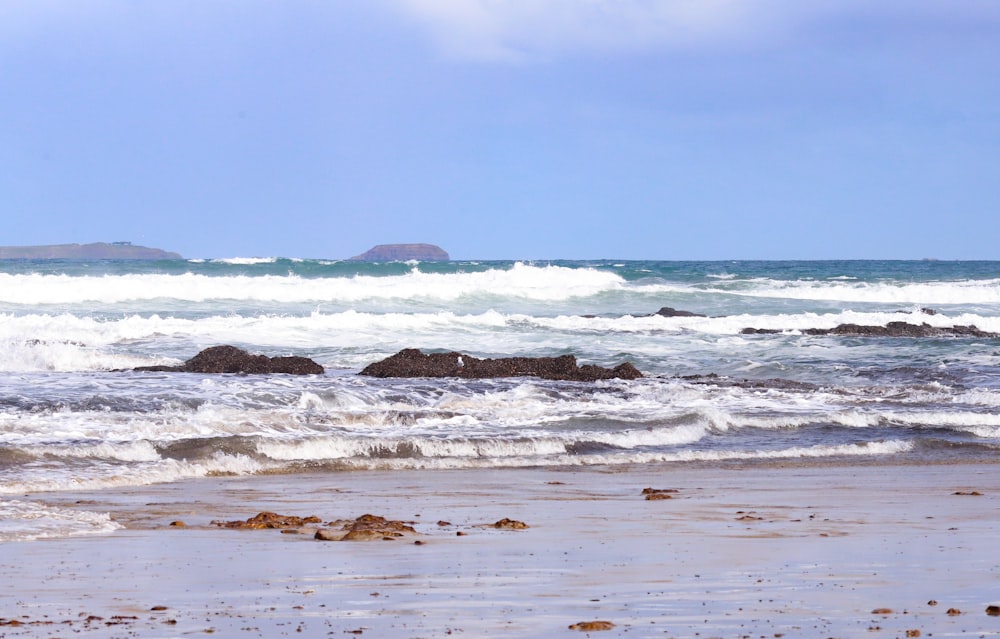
25	520
73	416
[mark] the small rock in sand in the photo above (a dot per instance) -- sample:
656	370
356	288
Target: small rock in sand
653	494
510	524
591	626
270	520
658	496
993	611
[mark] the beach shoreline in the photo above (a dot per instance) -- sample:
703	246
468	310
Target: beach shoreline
825	550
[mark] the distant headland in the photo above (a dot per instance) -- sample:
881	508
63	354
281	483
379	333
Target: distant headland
129	251
95	251
402	253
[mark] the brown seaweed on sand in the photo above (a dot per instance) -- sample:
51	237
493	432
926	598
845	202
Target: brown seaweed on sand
266	519
364	528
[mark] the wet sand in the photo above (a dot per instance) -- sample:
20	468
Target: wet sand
807	551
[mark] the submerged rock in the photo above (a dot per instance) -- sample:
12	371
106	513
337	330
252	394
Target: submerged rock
775	383
229	359
666	311
411	362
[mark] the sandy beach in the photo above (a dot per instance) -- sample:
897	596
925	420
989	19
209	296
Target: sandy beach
758	551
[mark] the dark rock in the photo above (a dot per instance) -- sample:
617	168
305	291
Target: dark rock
411	362
229	359
402	253
666	311
905	329
760	331
892	329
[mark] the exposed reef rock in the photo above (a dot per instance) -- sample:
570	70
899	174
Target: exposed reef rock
95	251
411	362
666	311
892	329
229	359
402	253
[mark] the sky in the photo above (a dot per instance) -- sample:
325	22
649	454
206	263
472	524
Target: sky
505	129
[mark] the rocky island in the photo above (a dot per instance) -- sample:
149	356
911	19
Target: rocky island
403	253
94	251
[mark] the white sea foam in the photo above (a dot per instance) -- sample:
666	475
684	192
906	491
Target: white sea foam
69	342
979	397
864	449
134	451
243	261
22	520
489	447
986	432
521	281
940	293
58	478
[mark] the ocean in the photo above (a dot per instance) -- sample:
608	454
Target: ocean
74	417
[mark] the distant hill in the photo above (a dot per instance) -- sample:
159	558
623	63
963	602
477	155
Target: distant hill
403	253
95	251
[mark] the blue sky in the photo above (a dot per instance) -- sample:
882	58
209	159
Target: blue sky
527	129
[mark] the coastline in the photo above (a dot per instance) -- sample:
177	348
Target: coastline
739	550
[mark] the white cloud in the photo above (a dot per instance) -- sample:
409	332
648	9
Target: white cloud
516	29
530	29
